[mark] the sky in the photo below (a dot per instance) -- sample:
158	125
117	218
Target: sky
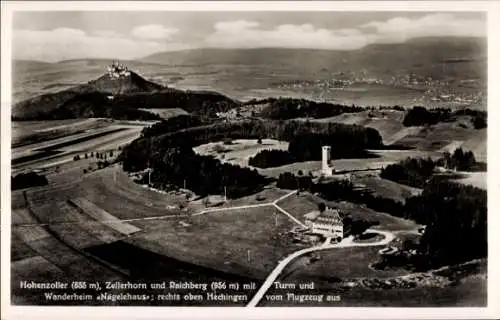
63	35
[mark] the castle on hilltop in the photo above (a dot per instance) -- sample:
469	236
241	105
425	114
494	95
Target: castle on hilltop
117	70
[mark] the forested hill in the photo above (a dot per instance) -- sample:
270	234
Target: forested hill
119	99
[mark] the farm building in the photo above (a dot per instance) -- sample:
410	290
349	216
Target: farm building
327	223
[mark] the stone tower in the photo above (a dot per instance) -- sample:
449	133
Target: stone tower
325	160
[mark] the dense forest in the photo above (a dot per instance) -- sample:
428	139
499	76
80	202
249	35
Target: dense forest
455	215
289	108
456	220
420	116
136	155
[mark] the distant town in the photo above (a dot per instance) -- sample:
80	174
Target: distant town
433	90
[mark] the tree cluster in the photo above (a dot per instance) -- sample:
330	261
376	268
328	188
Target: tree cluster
289	108
271	158
27	180
307	147
459	160
413	172
203	175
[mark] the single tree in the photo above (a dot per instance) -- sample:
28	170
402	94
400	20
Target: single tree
321	207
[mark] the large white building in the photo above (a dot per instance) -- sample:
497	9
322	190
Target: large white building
327	223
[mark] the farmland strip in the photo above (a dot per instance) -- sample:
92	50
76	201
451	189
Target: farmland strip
104	217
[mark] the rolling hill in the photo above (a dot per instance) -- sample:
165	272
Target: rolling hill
436	57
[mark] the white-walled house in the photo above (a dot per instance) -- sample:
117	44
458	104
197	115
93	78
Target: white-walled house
327	223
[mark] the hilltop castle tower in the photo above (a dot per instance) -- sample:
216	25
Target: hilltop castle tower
117	71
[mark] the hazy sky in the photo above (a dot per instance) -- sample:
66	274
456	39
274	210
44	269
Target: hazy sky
53	36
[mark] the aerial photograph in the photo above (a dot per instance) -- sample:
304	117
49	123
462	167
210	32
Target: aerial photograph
249	158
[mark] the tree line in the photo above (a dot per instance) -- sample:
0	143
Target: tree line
420	116
173	124
290	108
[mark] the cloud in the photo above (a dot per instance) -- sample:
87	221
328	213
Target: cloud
247	34
250	34
432	25
235	26
73	43
107	34
65	43
153	32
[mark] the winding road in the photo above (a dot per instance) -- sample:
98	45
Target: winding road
346	242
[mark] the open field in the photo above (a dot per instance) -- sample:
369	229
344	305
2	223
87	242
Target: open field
385	188
110	191
247	241
26	132
102	216
240	150
476	179
387	122
110	135
446	137
344	263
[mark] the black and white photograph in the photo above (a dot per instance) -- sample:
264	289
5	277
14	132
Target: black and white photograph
247	158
